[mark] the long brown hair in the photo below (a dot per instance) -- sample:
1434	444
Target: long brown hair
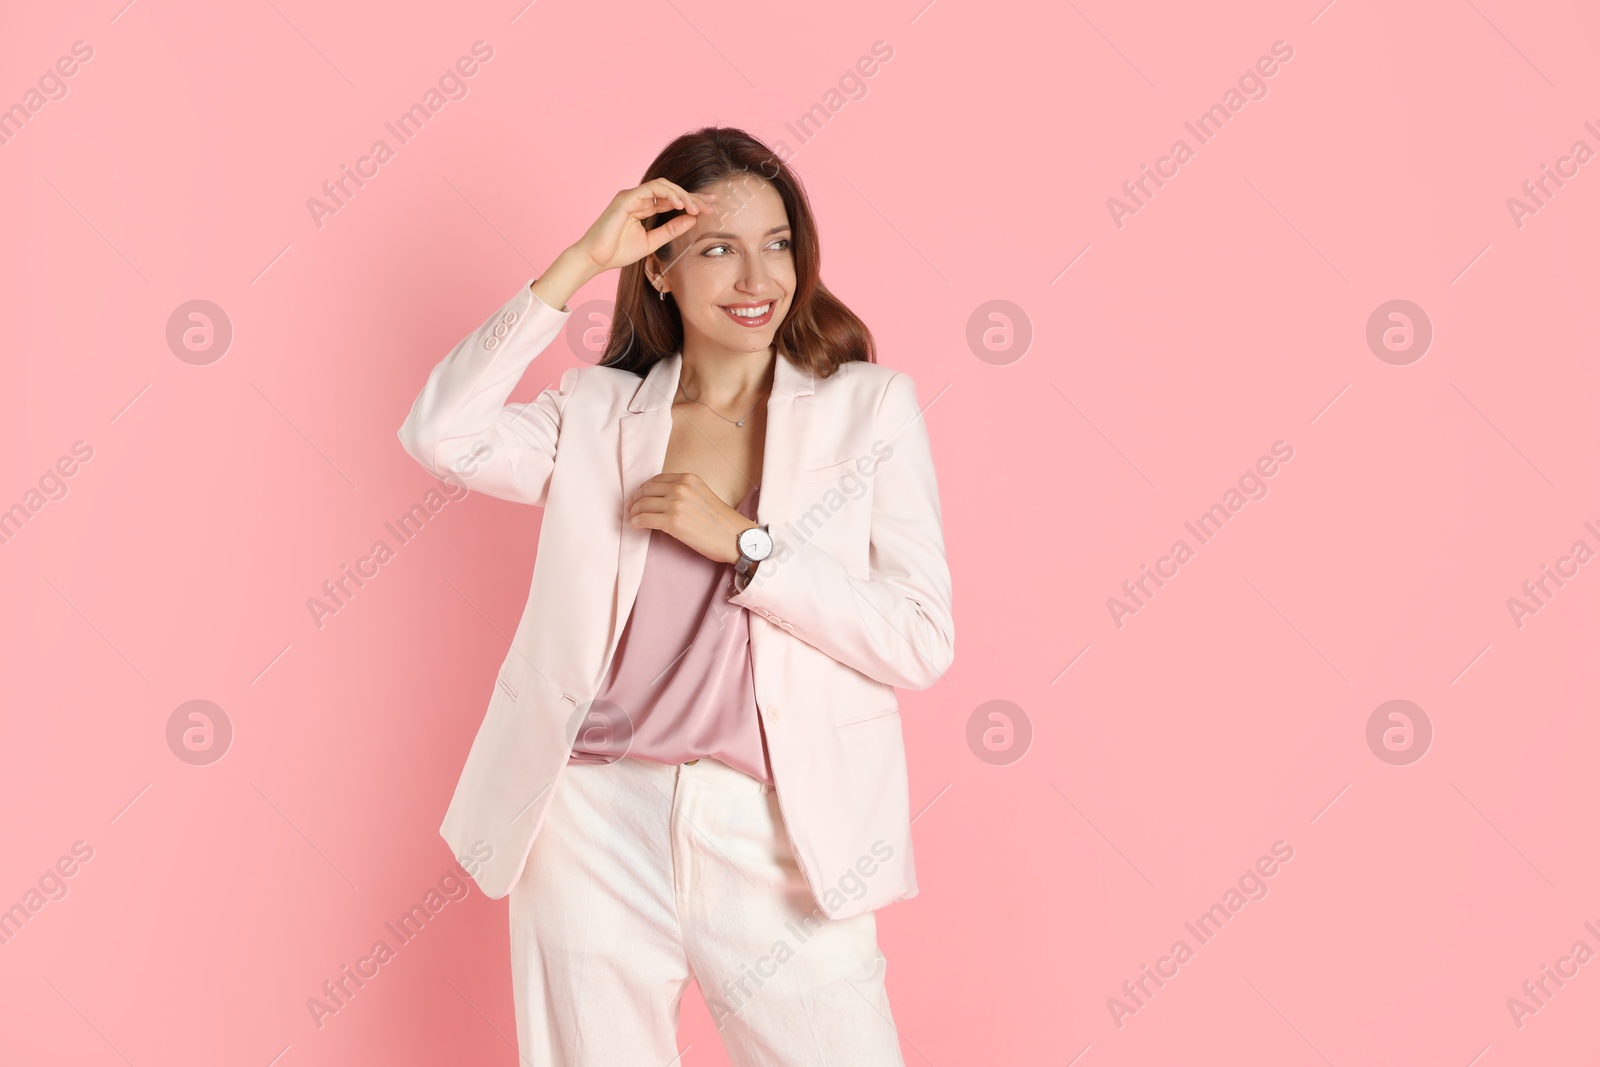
819	332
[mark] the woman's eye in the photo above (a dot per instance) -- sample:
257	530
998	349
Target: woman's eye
782	241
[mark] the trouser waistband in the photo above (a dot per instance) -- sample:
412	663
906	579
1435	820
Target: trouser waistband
702	771
715	772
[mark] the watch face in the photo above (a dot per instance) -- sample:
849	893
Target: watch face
756	543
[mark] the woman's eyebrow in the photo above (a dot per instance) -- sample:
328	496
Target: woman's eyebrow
719	233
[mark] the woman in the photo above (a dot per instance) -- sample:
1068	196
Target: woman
692	765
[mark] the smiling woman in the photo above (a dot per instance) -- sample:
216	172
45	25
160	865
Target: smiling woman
694	741
748	205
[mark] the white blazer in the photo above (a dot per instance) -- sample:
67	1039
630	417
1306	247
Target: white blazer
854	601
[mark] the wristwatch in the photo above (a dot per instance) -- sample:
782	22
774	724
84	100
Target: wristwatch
755	545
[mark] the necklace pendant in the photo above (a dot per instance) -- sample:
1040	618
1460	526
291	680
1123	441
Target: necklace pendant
739	423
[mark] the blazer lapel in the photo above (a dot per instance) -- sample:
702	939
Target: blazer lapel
642	437
789	427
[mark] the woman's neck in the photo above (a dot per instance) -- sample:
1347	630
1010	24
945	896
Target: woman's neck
725	379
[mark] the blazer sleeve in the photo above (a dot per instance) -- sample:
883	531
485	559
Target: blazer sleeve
462	430
896	624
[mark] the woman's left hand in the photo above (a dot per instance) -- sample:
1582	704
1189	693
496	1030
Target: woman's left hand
681	504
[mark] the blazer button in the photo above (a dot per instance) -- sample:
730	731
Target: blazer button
500	329
509	317
490	342
772	713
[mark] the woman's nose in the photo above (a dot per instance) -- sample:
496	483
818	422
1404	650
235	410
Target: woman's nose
755	278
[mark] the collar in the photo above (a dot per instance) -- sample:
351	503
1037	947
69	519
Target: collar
660	385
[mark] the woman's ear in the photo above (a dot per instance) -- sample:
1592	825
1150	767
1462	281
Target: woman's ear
653	272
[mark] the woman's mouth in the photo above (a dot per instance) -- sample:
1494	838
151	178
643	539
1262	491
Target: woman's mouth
750	315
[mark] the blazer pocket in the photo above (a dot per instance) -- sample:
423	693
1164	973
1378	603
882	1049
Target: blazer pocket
890	712
830	472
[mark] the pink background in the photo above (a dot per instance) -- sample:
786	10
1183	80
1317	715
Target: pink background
1167	754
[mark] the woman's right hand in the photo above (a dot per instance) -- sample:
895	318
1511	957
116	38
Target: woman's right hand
618	236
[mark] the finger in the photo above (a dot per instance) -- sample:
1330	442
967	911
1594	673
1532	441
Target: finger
651	198
646	490
671	192
662	483
677	227
678	196
691	202
652	513
650	204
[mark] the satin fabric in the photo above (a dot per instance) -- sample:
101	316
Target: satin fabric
681	686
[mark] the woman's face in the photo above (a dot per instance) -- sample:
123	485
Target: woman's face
738	258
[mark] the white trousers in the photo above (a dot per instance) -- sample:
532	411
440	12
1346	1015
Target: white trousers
646	875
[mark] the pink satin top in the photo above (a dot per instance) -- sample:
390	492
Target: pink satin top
680	685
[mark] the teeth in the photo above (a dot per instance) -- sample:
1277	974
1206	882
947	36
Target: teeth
750	313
